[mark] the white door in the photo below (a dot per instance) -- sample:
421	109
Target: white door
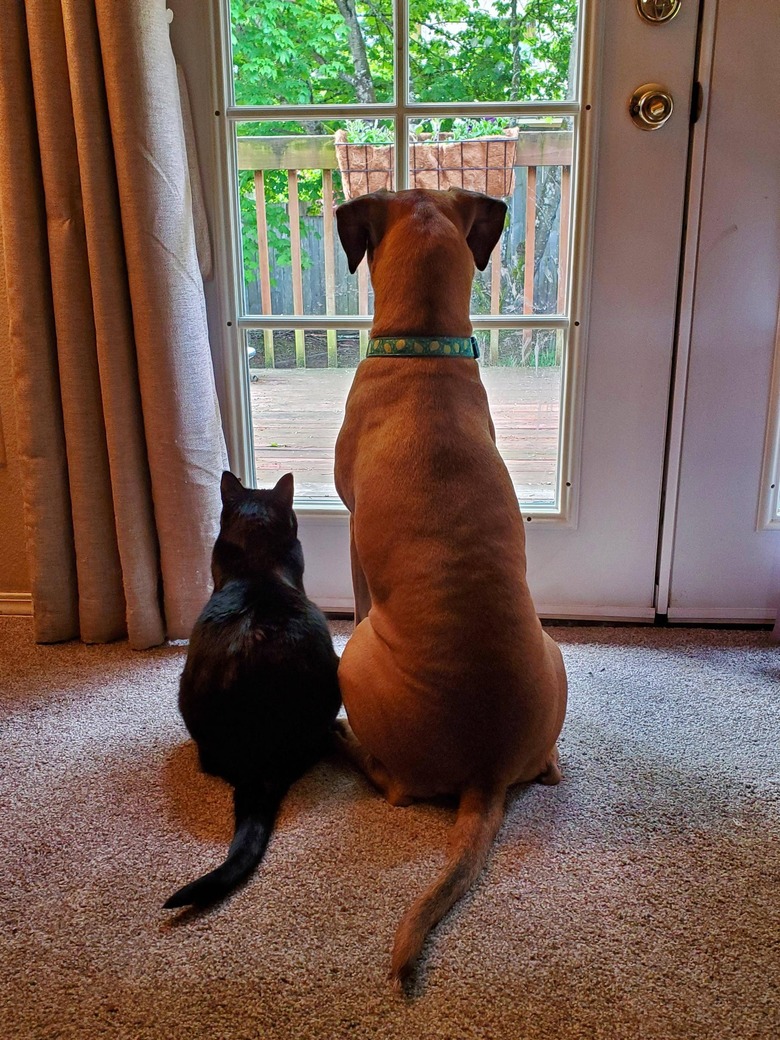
593	541
603	564
720	558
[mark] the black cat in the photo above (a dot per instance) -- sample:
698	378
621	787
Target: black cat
258	692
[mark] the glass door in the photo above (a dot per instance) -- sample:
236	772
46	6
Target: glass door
330	101
323	101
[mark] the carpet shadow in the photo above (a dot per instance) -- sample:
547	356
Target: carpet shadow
202	805
196	802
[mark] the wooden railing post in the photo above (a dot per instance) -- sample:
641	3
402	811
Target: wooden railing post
265	265
297	271
495	300
563	253
530	249
362	273
330	262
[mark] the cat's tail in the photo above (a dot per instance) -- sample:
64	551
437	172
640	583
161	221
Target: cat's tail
480	814
255	812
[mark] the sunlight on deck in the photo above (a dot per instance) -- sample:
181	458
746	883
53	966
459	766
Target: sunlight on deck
296	415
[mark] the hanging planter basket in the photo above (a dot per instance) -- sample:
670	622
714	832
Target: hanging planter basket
485	164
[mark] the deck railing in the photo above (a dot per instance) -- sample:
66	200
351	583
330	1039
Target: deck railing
294	154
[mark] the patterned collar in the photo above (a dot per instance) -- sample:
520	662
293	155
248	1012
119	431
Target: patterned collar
423	346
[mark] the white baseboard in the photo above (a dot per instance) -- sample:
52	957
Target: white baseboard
607	613
722	615
595	612
19	604
335	605
16	604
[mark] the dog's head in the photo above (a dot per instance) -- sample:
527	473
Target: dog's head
364	222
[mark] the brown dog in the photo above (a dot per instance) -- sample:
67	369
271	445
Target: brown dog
450	684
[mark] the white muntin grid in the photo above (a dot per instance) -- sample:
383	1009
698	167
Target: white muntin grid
583	113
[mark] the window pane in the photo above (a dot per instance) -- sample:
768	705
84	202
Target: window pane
312	52
299	382
290	178
529	165
297	411
522	377
492	50
310	348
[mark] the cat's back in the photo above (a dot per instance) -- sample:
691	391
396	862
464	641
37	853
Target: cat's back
260	683
256	620
255	641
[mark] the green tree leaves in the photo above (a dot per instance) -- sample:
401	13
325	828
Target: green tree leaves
308	52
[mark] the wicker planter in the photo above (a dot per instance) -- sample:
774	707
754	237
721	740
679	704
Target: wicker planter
484	164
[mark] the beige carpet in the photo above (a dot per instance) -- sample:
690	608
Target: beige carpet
639	899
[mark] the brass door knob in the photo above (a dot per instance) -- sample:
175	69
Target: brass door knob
650	106
658	11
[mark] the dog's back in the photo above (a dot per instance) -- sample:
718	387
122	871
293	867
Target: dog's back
442	543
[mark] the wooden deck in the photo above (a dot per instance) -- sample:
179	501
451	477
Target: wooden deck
296	415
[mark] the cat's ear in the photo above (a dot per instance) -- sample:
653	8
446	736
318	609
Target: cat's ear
285	490
231	488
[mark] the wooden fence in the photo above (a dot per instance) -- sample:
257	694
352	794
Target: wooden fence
259	155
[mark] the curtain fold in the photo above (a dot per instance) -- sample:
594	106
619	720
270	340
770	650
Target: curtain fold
200	220
119	429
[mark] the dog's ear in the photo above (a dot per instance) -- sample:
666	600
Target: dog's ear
484	223
361	224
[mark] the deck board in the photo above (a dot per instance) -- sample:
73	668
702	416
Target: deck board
296	415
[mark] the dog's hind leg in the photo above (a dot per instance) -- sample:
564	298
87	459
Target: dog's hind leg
359	583
370	766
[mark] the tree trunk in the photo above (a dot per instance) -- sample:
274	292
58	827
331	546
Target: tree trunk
364	84
514	43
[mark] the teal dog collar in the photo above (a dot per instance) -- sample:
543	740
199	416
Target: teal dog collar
423	346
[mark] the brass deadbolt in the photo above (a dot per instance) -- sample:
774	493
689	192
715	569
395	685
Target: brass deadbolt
650	106
658	11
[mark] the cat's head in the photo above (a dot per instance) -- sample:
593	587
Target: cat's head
258	531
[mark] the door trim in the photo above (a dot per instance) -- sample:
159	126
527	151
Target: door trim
685	308
769	499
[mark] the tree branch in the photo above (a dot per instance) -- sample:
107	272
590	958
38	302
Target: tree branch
364	84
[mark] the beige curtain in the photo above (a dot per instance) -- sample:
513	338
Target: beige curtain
119	430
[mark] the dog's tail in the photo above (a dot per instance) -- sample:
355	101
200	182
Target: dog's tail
255	812
480	814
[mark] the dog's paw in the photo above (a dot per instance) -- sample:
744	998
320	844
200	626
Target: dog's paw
551	774
343	737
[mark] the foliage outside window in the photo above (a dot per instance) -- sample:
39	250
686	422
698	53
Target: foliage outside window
304	52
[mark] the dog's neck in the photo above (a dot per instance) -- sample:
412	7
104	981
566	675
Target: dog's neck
423	291
394	321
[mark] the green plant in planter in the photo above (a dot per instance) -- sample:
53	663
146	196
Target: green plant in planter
366	131
473	129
